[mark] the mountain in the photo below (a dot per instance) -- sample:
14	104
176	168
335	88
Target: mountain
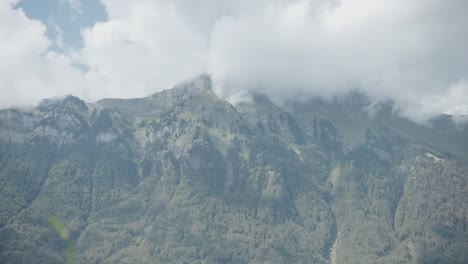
183	176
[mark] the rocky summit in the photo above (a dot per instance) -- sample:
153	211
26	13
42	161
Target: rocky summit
183	176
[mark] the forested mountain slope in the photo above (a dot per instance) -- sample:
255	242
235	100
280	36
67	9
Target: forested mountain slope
183	176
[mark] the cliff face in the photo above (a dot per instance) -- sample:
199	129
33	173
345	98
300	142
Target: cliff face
182	176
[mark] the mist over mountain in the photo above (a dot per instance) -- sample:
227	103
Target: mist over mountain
184	176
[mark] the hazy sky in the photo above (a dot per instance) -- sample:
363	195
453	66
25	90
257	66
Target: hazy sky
413	52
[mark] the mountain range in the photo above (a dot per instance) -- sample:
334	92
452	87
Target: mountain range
183	176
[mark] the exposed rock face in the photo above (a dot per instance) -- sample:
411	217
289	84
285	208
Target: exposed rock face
182	176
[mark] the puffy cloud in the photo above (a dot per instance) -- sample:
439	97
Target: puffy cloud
411	52
28	70
143	48
453	100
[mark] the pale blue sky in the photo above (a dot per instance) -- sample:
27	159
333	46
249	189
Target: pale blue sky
58	13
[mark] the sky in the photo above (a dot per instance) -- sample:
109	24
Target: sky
412	52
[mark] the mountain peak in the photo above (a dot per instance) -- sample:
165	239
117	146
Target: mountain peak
192	86
68	102
199	83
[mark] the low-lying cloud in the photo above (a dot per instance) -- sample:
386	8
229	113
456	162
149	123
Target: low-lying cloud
412	52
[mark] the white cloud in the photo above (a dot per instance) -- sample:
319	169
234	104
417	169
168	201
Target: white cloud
409	52
453	101
412	52
28	71
143	48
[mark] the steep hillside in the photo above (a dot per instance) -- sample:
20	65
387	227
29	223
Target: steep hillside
183	176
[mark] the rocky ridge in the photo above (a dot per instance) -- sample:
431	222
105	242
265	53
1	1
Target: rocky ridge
182	176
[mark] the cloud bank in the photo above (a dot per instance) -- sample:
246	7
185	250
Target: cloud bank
411	52
414	53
